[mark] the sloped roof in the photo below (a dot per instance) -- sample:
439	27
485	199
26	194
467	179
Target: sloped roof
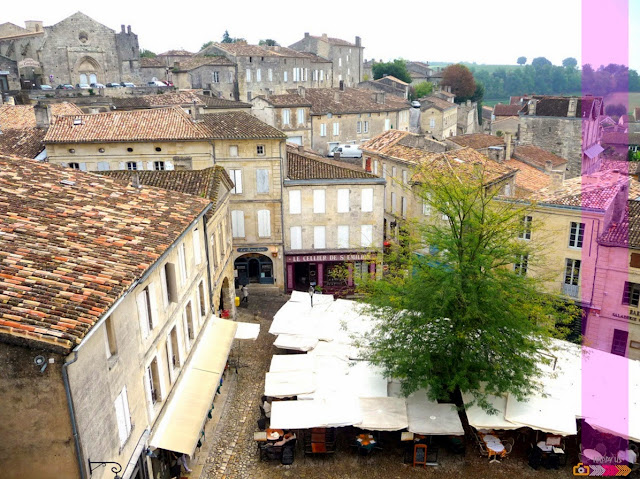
196	62
435	102
156	62
528	178
23	116
403	145
558	106
175	53
69	251
334	41
178	98
393	79
350	100
238	125
623	166
506	110
626	233
201	183
477	141
286	100
301	165
537	157
161	124
25	142
620	138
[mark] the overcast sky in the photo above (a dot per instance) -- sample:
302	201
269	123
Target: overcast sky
492	31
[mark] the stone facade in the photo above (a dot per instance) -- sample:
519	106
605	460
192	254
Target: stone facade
260	70
468	118
289	113
438	118
76	50
347	58
9	78
567	127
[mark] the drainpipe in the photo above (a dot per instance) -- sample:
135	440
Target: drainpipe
72	414
206	252
282	173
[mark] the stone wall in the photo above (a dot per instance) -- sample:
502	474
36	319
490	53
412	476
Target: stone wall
11	76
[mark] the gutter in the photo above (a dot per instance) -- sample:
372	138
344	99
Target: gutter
341	181
72	415
282	182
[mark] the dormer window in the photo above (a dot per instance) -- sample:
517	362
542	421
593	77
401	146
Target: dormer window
74	166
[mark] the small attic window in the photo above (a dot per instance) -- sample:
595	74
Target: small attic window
72	150
67	182
101	150
129	149
158	148
77	121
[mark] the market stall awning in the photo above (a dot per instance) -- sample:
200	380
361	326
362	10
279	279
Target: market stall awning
545	414
178	429
295	343
247	331
383	414
480	419
327	412
289	383
431	418
291	362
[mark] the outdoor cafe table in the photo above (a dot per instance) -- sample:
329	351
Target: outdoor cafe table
366	441
592	455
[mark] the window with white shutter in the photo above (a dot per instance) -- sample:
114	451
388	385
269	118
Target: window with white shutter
196	246
258	75
375	167
405	177
264	223
285	76
270	74
286	116
123	416
366	127
296	237
164	285
343	200
358	127
323	129
387	124
262	180
318	201
295	207
103	166
300	116
403	207
237	223
343	236
233	151
319	237
367	200
182	257
143	302
336	129
236	177
393	202
366	236
248	75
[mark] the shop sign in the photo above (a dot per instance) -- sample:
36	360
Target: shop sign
634	315
328	257
252	250
28	63
2	72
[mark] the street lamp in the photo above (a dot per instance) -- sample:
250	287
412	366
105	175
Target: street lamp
312	290
115	469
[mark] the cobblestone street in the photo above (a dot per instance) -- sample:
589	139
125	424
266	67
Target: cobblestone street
233	453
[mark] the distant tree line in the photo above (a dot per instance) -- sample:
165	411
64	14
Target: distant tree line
542	77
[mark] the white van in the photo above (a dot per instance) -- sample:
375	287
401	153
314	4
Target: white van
346	151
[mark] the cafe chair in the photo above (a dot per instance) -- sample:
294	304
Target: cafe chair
509	440
262	423
508	447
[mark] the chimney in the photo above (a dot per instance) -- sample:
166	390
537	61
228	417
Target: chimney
306	34
380	98
358	42
557	180
300	149
194	111
573	105
129	29
122	29
532	107
508	146
42	115
548	166
325	37
135	180
302	91
341	85
336	96
336	156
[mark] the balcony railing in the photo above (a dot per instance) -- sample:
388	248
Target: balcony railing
571	290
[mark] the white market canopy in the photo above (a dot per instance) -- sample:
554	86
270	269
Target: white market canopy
431	418
383	414
327	412
247	330
295	343
289	383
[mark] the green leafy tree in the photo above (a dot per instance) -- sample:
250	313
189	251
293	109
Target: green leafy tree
226	38
147	54
396	68
421	90
463	318
569	62
461	81
268	43
540	62
522	60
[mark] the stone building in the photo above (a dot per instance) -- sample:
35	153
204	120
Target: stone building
75	50
438	117
492	147
347	58
565	126
388	84
333	223
259	70
111	350
191	102
399	157
9	77
289	113
422	71
468	118
352	115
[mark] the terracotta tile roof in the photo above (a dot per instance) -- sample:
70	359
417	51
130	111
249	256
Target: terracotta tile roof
487	111
335	41
506	110
558	106
315	58
196	62
528	178
537	157
25	142
152	62
351	100
139	125
435	102
246	50
624	167
178	98
201	183
595	191
23	116
380	143
445	93
69	251
620	138
627	232
393	79
304	166
477	141
238	125
175	53
286	100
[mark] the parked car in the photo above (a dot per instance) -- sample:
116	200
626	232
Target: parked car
113	85
65	86
46	87
83	86
127	84
97	85
156	83
346	151
415	104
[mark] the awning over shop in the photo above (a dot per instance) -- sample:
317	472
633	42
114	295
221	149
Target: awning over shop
186	410
289	383
247	331
383	414
328	412
431	418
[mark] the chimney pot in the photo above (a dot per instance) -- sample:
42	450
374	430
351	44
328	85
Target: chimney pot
341	85
306	34
557	179
122	30
358	41
42	114
548	165
129	29
302	91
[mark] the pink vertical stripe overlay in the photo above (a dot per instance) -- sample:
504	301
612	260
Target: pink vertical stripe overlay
605	376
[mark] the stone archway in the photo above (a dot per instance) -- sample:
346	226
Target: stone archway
226	297
254	268
88	70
